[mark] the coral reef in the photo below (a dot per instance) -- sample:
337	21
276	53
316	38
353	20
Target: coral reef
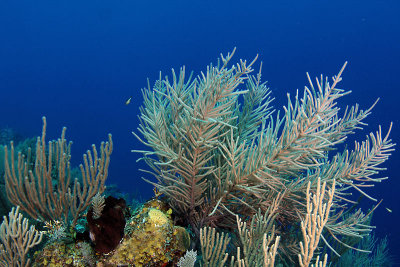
251	186
80	254
152	239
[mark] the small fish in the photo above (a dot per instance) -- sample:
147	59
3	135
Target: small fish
128	101
389	210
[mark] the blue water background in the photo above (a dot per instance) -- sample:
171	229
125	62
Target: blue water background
77	62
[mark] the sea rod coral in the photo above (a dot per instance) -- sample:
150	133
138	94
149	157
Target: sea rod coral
218	149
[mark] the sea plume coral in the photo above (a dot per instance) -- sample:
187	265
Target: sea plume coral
217	149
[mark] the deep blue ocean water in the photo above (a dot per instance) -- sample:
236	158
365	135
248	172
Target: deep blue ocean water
77	62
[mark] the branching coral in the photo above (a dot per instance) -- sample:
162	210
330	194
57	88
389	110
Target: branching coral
17	237
217	149
30	184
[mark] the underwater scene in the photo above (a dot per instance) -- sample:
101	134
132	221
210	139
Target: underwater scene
199	133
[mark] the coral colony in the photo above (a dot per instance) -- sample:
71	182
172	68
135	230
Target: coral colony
237	183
